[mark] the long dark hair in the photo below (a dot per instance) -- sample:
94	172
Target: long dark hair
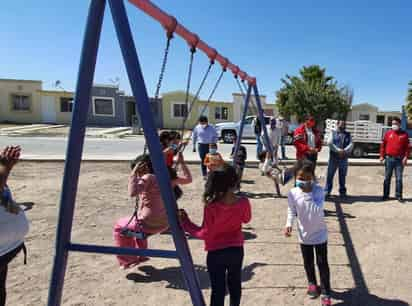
144	158
219	183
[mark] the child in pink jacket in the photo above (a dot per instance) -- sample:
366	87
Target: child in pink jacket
151	214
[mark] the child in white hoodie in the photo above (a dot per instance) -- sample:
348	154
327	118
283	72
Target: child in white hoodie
306	204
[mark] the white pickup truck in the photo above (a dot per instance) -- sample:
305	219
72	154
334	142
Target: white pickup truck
227	130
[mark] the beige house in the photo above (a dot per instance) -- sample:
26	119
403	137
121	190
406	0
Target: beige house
369	112
20	101
57	106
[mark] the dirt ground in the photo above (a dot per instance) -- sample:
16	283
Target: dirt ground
369	244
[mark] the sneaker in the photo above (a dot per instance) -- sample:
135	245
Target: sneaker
326	301
385	198
400	200
313	291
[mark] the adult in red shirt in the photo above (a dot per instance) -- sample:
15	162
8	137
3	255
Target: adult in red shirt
394	152
307	140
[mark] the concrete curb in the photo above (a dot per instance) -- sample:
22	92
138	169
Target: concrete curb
105	159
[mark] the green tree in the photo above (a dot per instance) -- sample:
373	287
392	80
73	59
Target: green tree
313	92
409	101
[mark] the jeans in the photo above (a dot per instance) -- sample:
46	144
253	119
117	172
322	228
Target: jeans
333	165
392	163
321	251
222	265
259	146
203	149
283	147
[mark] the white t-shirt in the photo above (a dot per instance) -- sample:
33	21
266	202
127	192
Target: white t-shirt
13	229
307	208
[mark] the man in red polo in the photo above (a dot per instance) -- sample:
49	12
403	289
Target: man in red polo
395	152
307	140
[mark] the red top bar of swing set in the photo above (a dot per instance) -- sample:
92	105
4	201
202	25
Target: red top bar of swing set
172	26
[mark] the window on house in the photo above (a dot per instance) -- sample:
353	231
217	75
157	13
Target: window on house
179	110
66	105
380	119
364	117
221	113
103	107
21	103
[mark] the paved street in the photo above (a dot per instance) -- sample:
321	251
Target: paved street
116	149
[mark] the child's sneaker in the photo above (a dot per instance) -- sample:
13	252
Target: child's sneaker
326	301
313	291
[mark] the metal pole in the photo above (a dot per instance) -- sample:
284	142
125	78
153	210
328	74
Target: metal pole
75	147
262	120
138	87
245	109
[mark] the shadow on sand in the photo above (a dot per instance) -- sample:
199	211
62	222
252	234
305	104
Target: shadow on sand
360	295
173	275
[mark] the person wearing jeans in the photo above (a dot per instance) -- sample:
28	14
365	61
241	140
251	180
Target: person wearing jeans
340	145
394	152
203	135
257	129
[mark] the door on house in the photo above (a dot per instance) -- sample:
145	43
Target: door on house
131	112
48	109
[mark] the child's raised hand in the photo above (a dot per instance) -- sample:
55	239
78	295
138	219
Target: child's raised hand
288	231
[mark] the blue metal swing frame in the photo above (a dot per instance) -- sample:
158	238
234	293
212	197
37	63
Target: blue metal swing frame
75	148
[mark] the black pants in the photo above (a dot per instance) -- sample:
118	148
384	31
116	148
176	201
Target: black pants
321	251
313	158
4	262
225	264
203	149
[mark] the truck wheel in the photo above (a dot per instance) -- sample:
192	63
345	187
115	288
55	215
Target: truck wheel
358	152
228	136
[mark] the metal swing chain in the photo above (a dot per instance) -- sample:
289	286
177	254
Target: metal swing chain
189	81
196	97
161	76
209	99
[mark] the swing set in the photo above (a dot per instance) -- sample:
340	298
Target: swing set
91	39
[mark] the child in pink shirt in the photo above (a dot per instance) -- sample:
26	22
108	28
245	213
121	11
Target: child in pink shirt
224	214
151	214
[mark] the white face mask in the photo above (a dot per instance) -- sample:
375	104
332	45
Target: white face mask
395	127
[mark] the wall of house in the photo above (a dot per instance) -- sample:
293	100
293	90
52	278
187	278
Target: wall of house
118	118
172	122
20	87
363	109
60	117
156	107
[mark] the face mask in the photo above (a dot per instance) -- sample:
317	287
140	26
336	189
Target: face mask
303	184
212	151
203	125
395	127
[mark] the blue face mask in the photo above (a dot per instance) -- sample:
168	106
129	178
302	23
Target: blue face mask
303	184
212	151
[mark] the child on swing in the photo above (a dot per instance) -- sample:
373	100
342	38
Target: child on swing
306	204
151	214
224	214
272	171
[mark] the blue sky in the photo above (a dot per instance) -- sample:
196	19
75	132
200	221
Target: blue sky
364	44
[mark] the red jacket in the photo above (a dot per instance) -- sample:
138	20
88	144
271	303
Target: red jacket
300	141
395	144
222	225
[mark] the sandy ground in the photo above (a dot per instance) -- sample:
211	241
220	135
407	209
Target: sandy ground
369	246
